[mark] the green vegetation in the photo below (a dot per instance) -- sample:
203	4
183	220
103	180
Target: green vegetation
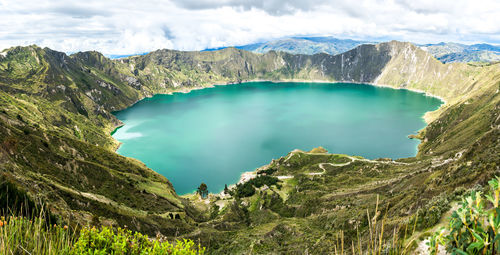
377	243
202	190
262	180
247	189
19	235
267	171
123	241
244	190
55	147
473	227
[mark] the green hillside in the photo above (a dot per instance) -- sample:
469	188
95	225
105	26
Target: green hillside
55	144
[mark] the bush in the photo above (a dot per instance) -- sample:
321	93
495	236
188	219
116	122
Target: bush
474	228
268	171
276	204
107	241
260	180
245	190
19	235
431	214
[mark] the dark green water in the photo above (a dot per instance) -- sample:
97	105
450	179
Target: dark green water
215	134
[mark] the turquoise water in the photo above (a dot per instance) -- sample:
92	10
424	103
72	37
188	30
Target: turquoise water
215	134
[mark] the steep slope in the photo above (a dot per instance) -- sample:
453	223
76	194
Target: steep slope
55	125
51	79
84	183
55	122
411	67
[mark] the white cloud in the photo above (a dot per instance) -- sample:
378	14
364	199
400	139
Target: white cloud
124	27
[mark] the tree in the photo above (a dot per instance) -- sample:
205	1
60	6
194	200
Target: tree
202	190
245	190
226	190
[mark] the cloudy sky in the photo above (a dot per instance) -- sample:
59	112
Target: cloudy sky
126	27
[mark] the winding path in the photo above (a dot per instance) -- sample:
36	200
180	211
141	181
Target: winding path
322	165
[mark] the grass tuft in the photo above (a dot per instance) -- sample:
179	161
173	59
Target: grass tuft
21	235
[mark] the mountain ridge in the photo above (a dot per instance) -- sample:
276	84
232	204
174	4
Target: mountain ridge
457	52
444	52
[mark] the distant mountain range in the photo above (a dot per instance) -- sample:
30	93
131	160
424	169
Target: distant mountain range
445	52
113	56
303	45
456	52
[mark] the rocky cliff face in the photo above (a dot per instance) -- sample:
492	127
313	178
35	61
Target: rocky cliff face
397	64
55	119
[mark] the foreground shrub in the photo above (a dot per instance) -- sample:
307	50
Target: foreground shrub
123	241
19	235
474	227
378	239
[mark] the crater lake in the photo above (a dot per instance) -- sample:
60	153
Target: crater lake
213	135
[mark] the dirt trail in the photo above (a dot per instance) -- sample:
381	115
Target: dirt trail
321	165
